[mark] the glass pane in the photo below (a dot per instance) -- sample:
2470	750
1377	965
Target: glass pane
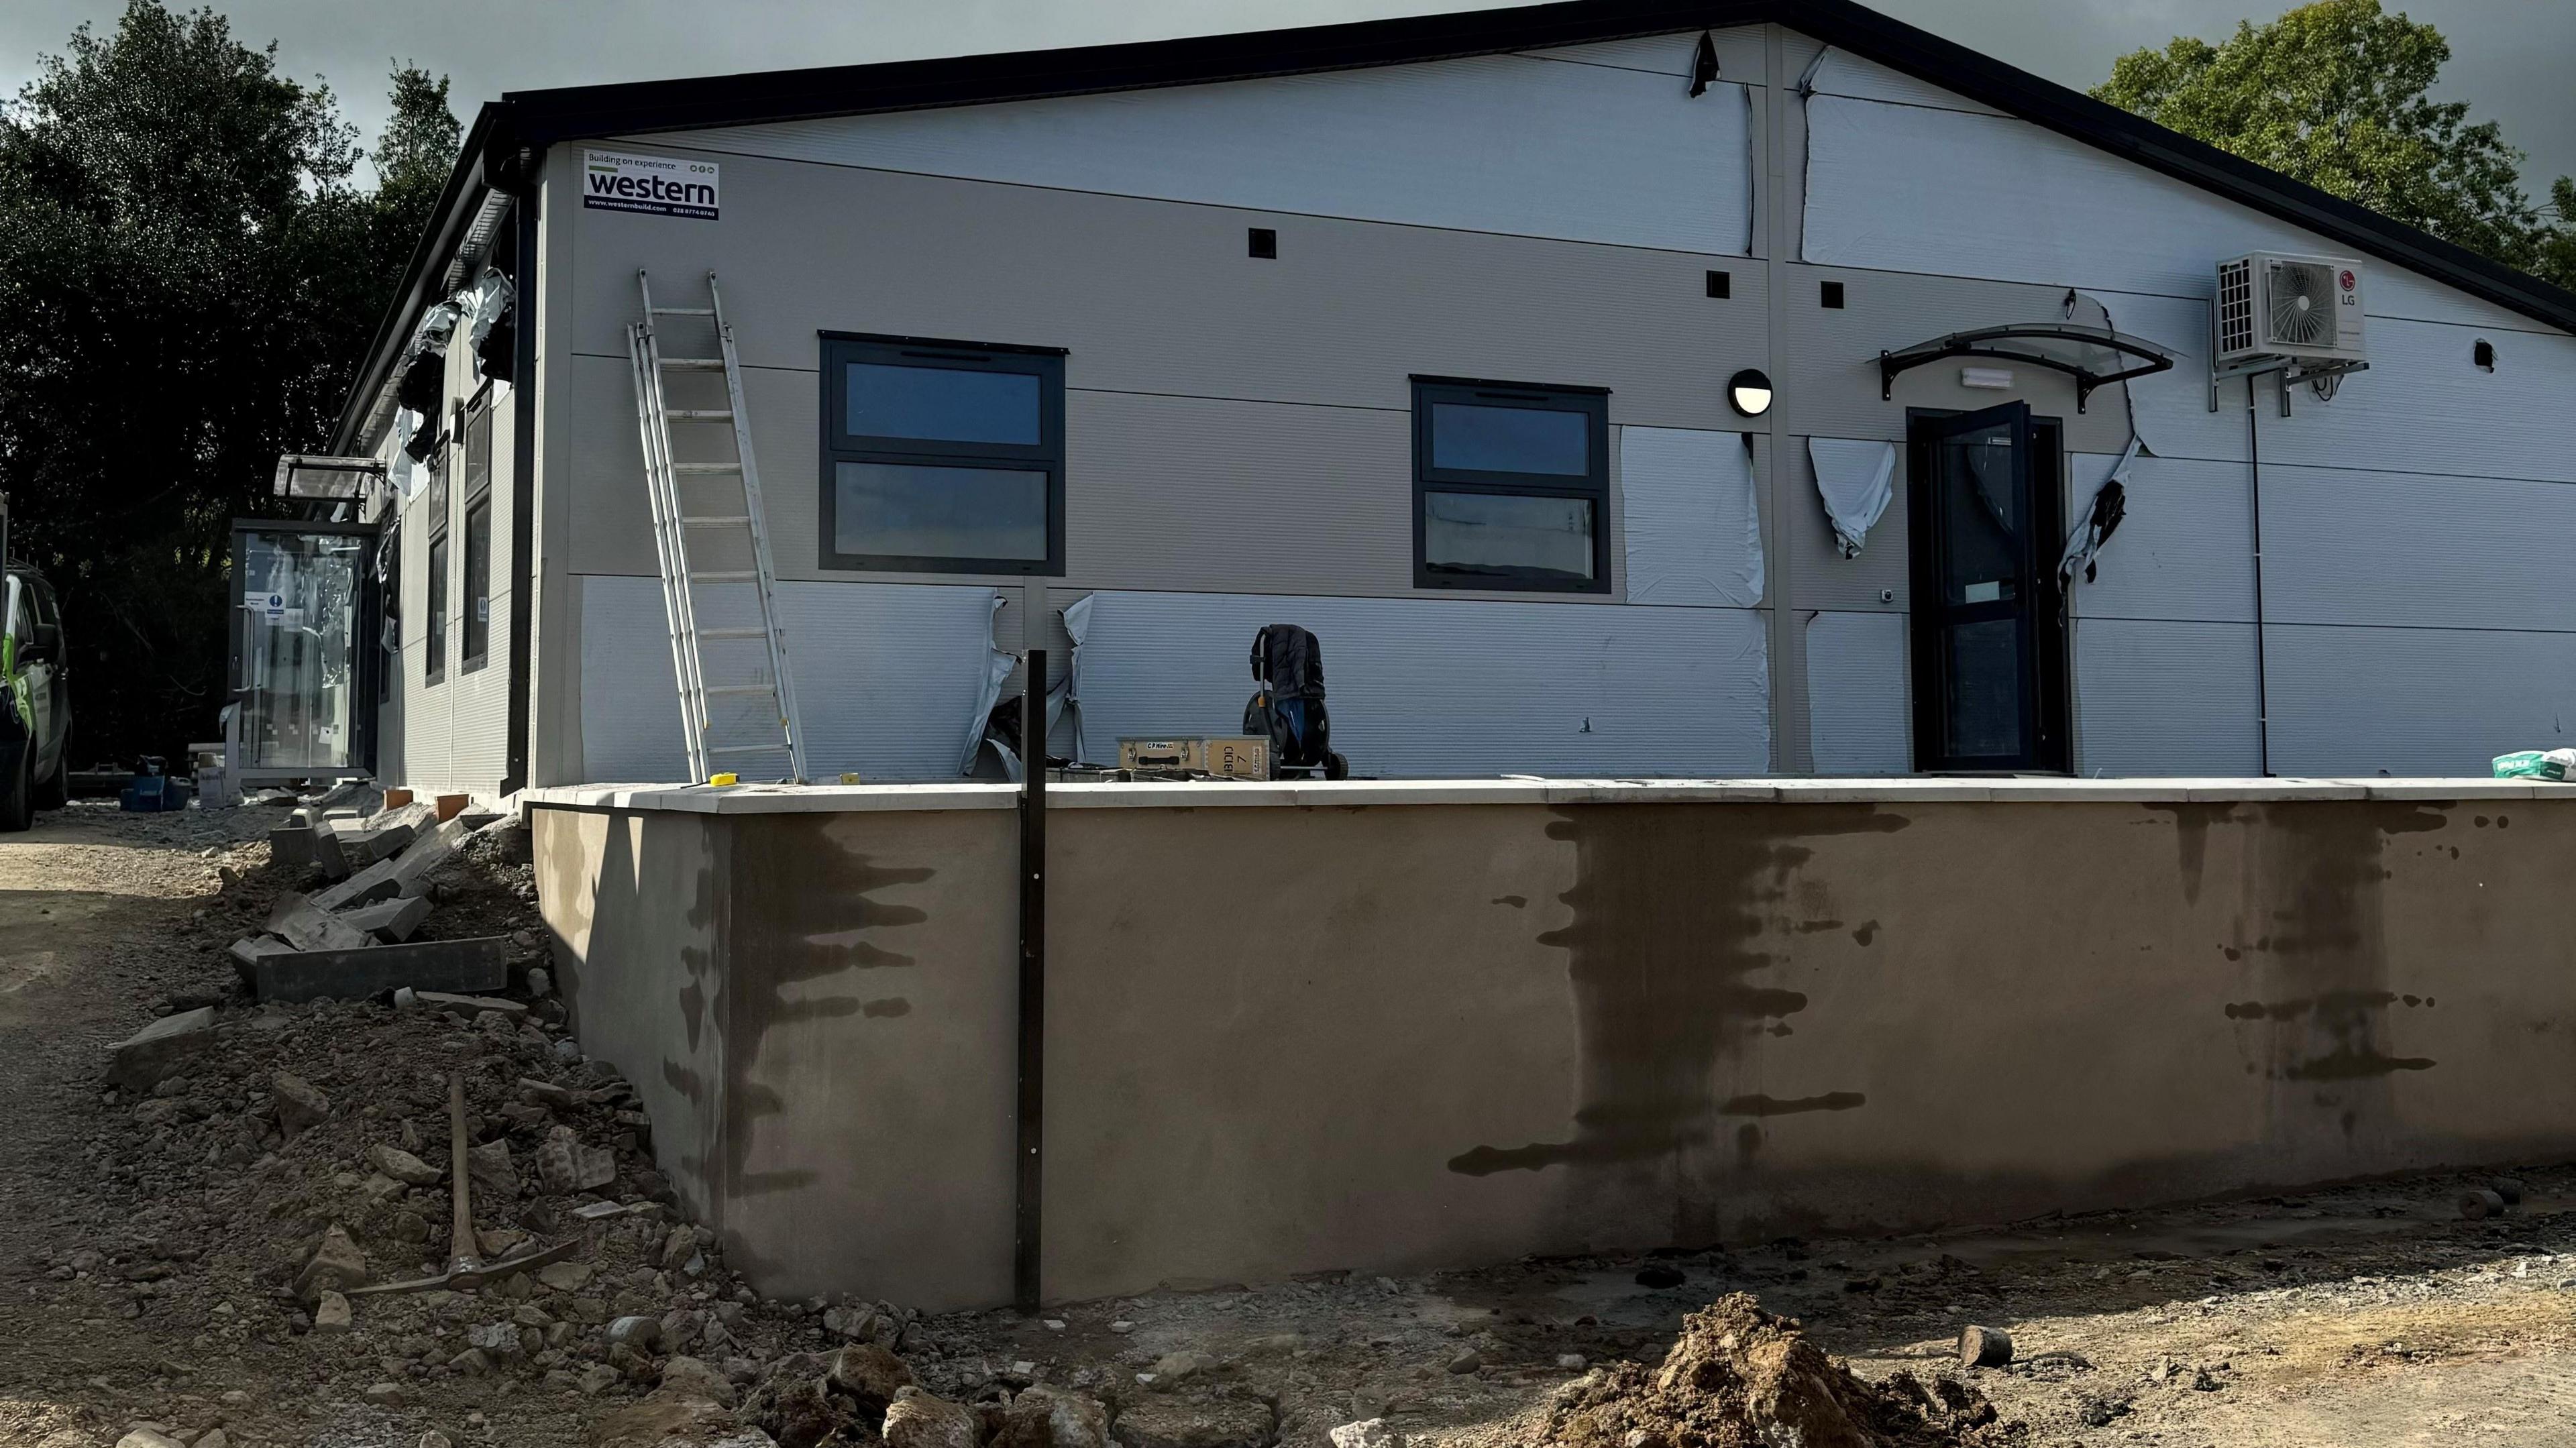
1983	512
1483	439
436	659
299	622
918	510
1483	533
478	579
1984	660
942	404
478	450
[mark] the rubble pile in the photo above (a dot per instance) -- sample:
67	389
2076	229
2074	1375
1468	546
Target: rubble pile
1739	1377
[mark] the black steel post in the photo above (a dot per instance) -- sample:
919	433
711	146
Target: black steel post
1032	1074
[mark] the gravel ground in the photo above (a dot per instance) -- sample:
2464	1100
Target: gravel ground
2364	1316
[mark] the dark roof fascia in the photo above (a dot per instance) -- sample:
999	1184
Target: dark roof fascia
423	275
537	119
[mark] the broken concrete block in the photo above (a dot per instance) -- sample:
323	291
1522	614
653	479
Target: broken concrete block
365	846
392	921
481	963
306	926
402	1166
247	951
337	1265
300	1104
469	1004
291	846
332	860
138	1062
405	874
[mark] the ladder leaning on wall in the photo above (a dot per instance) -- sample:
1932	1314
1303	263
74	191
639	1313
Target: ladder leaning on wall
674	526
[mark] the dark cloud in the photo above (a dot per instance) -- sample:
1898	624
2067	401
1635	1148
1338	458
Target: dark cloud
2509	56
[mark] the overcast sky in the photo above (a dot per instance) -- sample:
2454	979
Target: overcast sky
2510	58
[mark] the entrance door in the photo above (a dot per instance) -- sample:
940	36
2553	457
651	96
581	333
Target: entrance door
303	649
1989	638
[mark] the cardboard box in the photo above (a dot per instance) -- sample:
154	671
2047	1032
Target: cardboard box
1232	756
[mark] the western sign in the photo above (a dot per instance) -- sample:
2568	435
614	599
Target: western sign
654	185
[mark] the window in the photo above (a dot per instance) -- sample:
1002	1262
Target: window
942	457
389	592
1511	486
478	531
435	668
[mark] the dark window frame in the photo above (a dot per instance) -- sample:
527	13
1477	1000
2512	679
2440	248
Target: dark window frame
389	601
434	636
842	446
1592	486
473	434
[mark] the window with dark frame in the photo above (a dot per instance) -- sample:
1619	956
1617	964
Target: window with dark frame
942	457
389	591
1511	486
443	464
435	666
477	437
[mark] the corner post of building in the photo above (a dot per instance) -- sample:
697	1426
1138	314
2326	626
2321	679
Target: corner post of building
1029	1158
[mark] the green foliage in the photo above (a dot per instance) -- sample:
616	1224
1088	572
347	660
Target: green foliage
2336	94
188	275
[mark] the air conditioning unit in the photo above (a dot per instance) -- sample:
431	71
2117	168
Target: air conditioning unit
2304	308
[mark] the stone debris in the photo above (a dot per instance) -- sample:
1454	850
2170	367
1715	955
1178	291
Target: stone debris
300	1105
1739	1377
140	1061
335	1266
1367	1433
403	1167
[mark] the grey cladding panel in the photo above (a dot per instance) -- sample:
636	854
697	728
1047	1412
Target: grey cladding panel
1857	702
2186	547
1819	575
1436	687
1155	297
1500	143
2161	698
2400	549
2415	701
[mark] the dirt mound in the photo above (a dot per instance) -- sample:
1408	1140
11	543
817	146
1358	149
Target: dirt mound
1739	1377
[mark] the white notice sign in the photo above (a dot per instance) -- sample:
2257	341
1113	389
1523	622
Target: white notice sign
654	185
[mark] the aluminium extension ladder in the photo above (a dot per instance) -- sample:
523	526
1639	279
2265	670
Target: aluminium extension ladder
674	526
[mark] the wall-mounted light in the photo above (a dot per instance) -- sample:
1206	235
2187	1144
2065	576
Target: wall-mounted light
1750	392
1990	379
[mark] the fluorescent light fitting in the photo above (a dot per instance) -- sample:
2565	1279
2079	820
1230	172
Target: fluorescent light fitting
1990	379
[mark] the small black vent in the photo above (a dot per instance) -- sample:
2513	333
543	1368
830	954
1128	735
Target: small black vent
2483	354
1832	295
1265	243
1721	284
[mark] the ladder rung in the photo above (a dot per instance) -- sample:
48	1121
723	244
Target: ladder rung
715	522
731	575
684	311
694	364
698	414
701	469
737	689
733	633
748	749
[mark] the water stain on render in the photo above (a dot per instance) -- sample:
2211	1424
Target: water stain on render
1669	908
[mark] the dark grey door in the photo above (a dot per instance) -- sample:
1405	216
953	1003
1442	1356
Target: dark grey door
1989	673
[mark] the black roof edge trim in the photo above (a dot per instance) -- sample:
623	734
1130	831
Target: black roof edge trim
946	344
540	118
1495	384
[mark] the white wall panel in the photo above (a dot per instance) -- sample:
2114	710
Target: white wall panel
1857	715
1435	687
2419	701
1686	502
886	676
2185	550
2343	547
1846	74
2160	698
2424	406
1496	143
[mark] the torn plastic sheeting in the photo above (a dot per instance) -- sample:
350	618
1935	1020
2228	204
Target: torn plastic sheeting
1068	695
997	667
2110	504
1856	481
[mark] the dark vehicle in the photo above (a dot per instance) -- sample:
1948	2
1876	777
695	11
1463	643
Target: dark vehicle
35	707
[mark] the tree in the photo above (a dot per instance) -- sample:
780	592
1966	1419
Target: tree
2336	94
188	274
